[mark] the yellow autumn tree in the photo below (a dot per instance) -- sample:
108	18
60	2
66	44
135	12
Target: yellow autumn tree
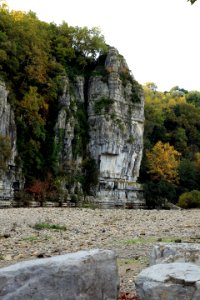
163	162
33	107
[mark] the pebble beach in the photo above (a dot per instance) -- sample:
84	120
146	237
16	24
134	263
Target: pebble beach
130	233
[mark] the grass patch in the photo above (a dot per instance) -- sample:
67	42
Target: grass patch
149	240
138	241
41	226
31	238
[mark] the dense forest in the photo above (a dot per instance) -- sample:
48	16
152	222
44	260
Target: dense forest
35	56
171	160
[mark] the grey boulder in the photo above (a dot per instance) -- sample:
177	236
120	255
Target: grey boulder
85	275
173	252
172	281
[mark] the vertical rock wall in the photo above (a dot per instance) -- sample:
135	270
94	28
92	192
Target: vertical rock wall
68	138
100	128
116	119
112	101
7	130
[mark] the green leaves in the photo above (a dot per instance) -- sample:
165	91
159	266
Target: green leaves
5	152
103	105
171	118
34	56
192	1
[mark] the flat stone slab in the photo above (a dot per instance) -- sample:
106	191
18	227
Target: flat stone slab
172	281
85	275
173	252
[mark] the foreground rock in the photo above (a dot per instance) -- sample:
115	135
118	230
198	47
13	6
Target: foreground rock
85	275
168	253
169	282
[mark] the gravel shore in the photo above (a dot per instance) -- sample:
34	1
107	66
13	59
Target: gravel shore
131	233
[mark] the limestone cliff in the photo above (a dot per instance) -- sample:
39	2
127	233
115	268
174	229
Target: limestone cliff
7	131
116	117
111	103
67	132
98	136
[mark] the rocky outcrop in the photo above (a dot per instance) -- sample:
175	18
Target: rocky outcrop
116	117
85	275
68	133
98	135
101	121
8	135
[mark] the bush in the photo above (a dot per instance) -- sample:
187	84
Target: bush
104	104
190	199
157	193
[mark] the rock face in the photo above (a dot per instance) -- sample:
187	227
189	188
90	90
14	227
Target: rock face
116	116
98	135
85	275
110	106
69	132
168	253
8	132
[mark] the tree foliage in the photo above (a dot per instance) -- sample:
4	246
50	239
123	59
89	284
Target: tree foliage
171	118
190	199
163	162
192	1
5	152
34	57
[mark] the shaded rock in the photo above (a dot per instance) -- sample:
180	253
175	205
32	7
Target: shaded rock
7	131
85	275
173	281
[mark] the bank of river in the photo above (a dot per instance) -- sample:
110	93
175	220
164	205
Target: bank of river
131	233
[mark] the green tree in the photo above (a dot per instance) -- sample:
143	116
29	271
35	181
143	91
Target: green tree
192	1
5	153
189	175
156	193
194	98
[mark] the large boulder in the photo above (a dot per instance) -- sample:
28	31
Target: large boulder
85	275
173	281
183	252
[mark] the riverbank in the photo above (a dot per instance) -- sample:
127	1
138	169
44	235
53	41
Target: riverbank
131	233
